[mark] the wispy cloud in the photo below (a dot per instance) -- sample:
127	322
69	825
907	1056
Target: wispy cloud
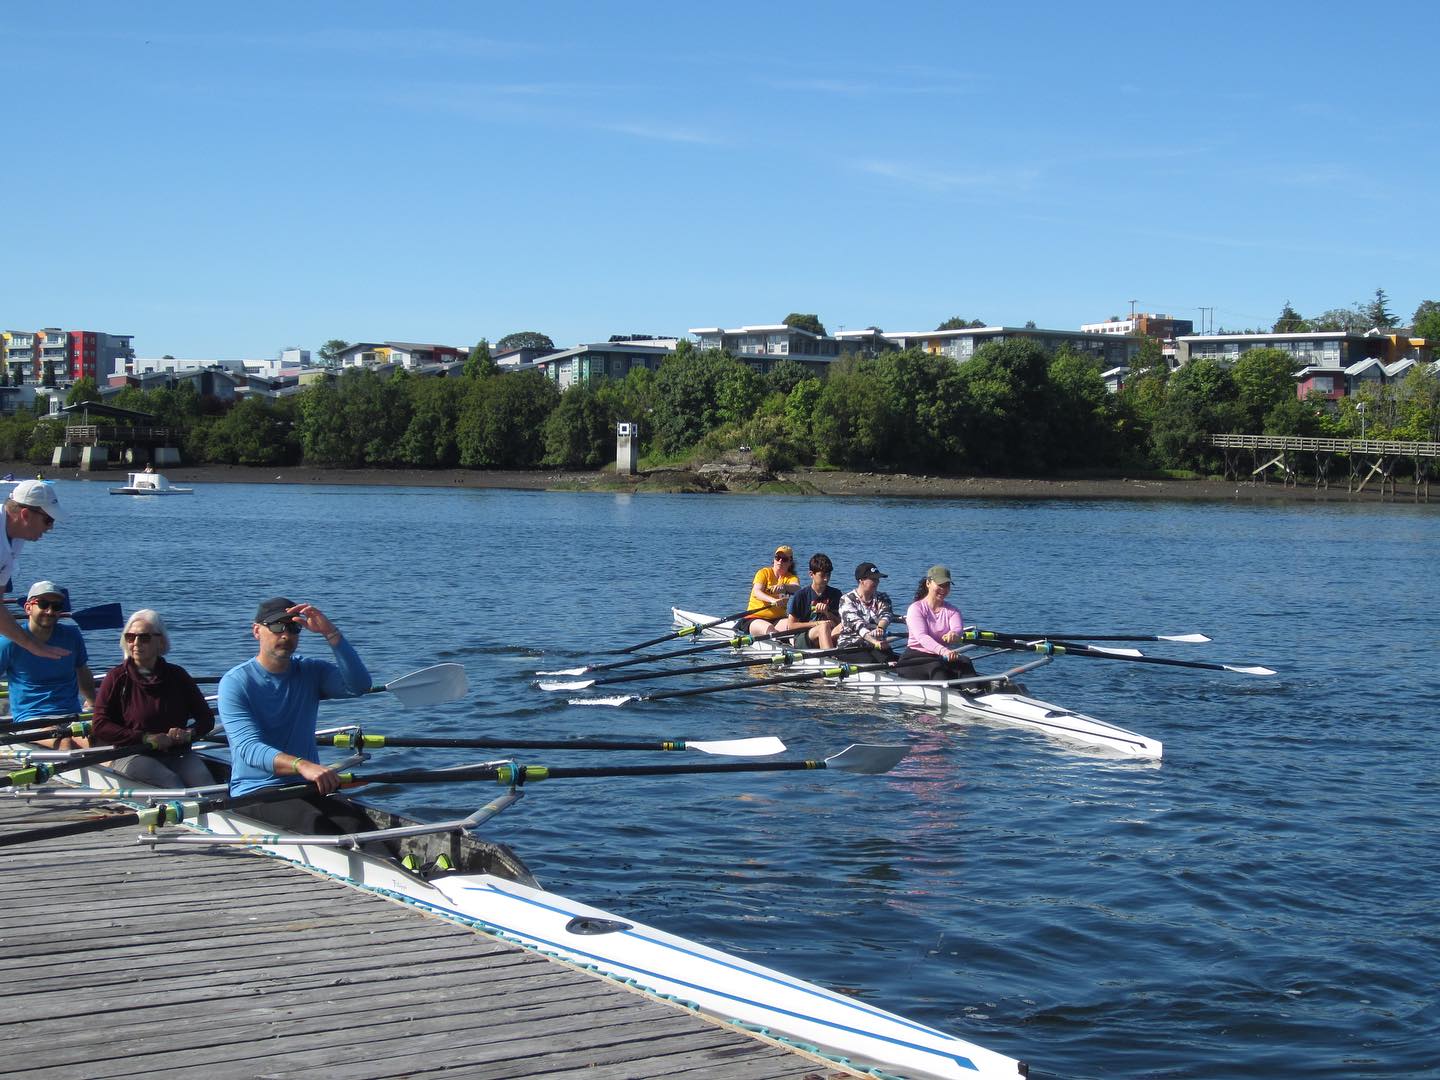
660	133
934	179
899	84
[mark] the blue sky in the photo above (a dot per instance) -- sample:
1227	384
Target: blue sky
226	180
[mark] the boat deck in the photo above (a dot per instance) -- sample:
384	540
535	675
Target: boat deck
124	962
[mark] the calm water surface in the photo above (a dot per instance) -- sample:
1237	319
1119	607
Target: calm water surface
1263	903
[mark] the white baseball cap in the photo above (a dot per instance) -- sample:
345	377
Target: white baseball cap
38	495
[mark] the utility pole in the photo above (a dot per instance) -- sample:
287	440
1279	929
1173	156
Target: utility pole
1132	309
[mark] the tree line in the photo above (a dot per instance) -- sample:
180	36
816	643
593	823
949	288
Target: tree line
1012	409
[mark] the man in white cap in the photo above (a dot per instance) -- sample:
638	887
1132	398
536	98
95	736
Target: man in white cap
44	686
30	512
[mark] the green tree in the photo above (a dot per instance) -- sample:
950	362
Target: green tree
1426	321
785	376
502	421
956	322
82	390
254	432
1263	379
688	396
1378	312
331	350
800	411
1005	388
1200	400
580	432
1084	418
429	439
854	422
1352	320
812	323
1290	321
1417	400
479	365
524	339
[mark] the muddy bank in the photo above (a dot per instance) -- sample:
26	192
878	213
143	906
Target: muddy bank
799	482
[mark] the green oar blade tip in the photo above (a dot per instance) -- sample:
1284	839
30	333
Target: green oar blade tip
867	758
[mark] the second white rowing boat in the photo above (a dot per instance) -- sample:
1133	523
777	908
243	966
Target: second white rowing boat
956	699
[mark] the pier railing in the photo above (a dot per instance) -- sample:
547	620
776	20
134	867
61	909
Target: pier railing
1328	446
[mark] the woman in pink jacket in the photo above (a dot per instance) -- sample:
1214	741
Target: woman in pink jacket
935	627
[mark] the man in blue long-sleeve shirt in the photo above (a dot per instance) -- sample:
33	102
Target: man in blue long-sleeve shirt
269	707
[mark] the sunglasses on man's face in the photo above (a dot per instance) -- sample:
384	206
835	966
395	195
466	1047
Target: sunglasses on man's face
138	638
49	605
283	626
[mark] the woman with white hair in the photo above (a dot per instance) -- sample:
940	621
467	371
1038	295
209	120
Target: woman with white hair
154	706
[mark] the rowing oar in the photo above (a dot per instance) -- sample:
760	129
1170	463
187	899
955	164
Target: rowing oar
859	758
780	659
41	771
758	747
1189	639
739	641
1063	648
432	685
839	671
684	631
99	617
51	730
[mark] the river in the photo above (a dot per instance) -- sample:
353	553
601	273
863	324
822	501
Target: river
1262	903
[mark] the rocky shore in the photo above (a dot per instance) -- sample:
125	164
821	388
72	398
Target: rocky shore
799	482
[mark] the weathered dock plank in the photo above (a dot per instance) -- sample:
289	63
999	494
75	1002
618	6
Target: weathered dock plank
229	965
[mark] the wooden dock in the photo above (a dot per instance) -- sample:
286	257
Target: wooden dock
188	962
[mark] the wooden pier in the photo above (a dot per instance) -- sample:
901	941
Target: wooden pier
124	962
1376	459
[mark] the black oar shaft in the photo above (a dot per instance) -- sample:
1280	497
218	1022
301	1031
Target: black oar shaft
684	631
1069	648
375	742
521	774
777	660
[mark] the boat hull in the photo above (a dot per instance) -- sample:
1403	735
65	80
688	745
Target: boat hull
1075	729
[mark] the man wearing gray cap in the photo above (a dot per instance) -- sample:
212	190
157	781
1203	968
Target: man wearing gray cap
31	510
41	685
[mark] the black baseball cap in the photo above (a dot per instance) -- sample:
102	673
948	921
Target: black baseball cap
273	610
867	570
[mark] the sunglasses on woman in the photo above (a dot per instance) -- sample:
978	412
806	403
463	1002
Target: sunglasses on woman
138	637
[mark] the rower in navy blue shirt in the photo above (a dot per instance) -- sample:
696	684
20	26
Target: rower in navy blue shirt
815	609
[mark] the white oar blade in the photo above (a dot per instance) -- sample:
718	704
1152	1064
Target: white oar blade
574	684
430	686
565	671
1189	639
1114	652
1240	669
614	702
761	747
867	758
